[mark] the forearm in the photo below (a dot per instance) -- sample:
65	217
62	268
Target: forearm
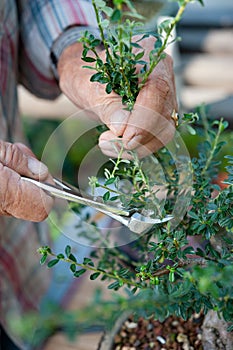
71	55
42	24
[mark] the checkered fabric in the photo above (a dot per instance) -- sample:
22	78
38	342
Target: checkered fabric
28	30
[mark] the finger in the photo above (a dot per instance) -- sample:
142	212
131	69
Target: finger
152	146
21	199
114	115
110	144
158	95
146	125
21	161
27	151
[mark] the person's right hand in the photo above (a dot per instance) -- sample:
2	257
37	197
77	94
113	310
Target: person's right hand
20	198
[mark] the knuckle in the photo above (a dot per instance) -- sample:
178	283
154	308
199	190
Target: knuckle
169	60
9	153
162	85
8	197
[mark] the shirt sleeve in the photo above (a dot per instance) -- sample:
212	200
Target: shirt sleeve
42	23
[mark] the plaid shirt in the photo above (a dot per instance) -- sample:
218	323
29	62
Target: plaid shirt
28	30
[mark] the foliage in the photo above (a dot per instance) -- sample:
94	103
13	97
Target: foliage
123	53
188	279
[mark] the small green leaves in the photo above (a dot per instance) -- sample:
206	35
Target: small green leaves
68	250
139	56
99	77
165	27
43	259
88	59
109	88
44	251
79	273
73	267
94	276
116	15
115	285
72	257
106	196
53	262
110	181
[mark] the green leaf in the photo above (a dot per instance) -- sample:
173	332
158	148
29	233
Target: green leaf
114	285
116	15
108	10
53	262
164	26
94	276
85	51
103	80
191	130
88	59
105	23
89	67
73	267
171	276
139	55
158	43
193	215
43	259
95	42
135	15
136	45
108	88
72	257
96	77
188	250
110	181
79	272
141	62
60	256
114	198
106	196
68	250
88	261
100	3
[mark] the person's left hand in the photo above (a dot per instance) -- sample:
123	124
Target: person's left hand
148	127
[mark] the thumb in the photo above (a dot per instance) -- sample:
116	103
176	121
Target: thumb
21	159
115	117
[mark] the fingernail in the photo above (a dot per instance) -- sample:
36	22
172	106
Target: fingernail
118	122
106	145
36	167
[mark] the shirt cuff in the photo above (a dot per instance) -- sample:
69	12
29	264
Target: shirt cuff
67	38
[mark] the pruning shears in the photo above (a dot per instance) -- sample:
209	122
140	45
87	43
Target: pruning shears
132	219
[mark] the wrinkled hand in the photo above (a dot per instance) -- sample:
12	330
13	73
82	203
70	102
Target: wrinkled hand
148	127
20	198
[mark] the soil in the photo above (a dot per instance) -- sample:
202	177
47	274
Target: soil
173	334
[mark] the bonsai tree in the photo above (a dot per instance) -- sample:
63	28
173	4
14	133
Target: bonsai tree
182	266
